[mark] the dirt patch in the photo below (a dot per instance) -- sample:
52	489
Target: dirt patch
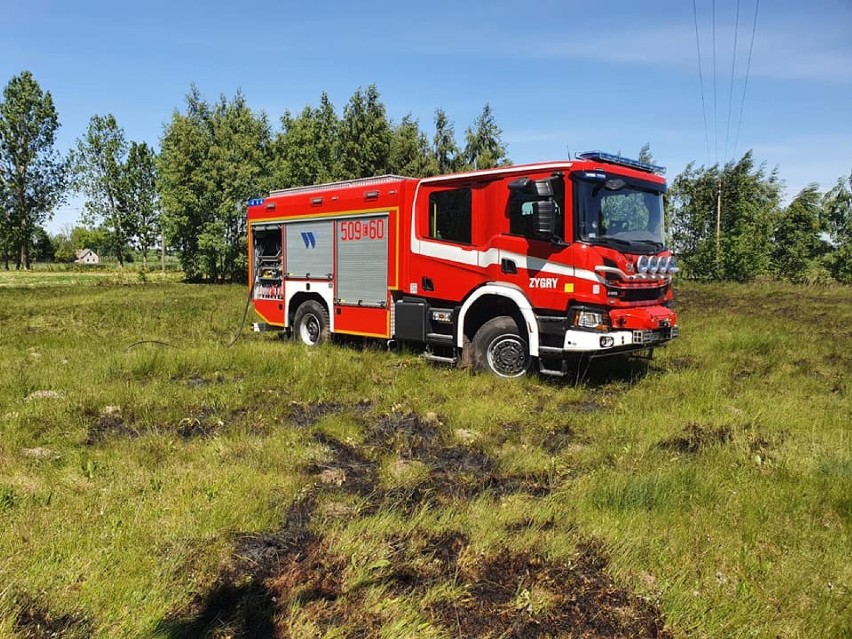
305	415
694	438
203	422
107	426
192	428
584	406
530	524
680	364
764	448
35	621
558	438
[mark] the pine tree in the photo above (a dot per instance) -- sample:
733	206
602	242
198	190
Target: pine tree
645	154
409	151
484	148
365	136
444	150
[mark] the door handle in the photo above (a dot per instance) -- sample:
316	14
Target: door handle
508	266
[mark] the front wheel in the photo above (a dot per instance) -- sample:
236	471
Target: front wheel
310	325
499	348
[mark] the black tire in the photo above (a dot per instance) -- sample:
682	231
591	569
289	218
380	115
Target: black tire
499	348
310	324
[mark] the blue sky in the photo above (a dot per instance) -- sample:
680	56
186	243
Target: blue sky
560	75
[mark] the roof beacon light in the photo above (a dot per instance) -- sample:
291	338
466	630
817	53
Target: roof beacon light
600	156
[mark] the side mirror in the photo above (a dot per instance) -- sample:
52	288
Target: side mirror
544	218
539	188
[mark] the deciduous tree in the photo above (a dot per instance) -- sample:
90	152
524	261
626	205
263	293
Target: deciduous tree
141	196
838	209
212	160
32	172
796	241
750	201
100	167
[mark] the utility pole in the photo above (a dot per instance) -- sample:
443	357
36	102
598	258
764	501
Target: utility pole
718	220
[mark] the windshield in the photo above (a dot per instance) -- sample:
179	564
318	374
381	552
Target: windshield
627	215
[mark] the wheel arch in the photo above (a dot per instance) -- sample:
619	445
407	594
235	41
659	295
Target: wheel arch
493	300
300	298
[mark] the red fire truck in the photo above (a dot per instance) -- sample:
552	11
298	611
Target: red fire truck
503	268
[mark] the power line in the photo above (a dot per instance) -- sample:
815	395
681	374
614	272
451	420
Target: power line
733	69
715	109
701	80
748	67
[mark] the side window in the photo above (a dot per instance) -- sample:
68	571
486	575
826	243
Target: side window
521	209
520	214
450	215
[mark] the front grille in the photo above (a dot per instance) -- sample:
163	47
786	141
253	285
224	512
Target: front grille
641	294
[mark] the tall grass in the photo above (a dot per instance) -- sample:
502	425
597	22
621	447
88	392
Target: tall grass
136	450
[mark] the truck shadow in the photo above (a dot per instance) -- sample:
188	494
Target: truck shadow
604	371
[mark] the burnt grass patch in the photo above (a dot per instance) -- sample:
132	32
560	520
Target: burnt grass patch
524	596
108	426
305	415
358	474
201	424
694	438
240	602
35	621
275	581
454	471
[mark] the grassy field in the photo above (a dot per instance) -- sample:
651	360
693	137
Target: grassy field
154	483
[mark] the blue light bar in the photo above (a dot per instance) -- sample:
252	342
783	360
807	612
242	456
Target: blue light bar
600	156
255	201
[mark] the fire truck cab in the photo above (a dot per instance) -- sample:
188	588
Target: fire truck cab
503	268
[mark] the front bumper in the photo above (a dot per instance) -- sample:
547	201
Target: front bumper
627	340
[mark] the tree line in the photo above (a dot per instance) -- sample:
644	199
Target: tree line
725	222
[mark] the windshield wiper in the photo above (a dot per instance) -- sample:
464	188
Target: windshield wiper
654	243
615	240
628	243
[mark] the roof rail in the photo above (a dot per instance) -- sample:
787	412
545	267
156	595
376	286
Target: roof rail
601	156
368	181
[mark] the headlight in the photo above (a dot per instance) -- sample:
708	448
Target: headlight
590	319
652	265
663	266
642	265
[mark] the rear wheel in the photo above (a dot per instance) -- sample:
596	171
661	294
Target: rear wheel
310	325
499	348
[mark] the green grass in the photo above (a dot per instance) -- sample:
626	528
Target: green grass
714	485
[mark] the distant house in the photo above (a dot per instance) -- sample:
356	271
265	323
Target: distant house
87	256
